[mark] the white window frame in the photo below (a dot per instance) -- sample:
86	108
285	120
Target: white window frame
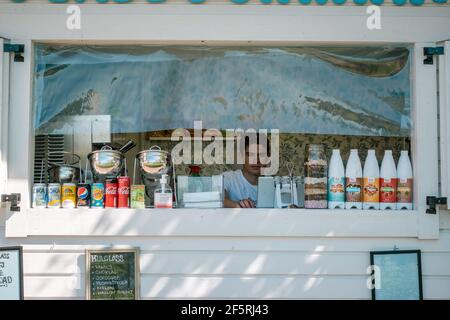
4	100
444	117
232	222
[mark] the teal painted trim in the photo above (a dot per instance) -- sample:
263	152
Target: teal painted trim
283	2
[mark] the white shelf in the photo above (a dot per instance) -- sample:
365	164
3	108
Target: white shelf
213	222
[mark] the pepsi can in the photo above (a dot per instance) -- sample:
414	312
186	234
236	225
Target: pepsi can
84	195
97	195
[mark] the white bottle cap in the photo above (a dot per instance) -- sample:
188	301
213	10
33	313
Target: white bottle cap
353	150
336	151
371	151
163	179
404	152
387	151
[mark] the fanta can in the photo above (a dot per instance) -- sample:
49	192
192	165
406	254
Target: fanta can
97	195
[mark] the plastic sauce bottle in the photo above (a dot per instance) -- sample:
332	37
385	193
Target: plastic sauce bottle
388	182
336	181
405	182
371	182
353	181
163	194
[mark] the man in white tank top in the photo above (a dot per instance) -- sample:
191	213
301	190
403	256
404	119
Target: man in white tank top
241	186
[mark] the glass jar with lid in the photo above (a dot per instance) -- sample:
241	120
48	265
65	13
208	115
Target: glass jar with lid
316	168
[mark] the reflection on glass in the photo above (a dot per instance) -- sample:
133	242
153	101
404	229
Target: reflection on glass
342	97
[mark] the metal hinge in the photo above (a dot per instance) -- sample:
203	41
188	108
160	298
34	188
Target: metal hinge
17	49
429	52
433	201
14	198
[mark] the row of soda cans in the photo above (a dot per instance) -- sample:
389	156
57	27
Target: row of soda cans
114	193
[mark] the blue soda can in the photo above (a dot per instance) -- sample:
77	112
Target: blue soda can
97	195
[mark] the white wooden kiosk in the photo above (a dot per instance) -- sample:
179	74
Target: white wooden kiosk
228	253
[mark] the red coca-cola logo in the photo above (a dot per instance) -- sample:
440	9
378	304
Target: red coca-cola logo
124	190
111	190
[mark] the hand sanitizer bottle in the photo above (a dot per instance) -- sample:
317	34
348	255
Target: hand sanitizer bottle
163	194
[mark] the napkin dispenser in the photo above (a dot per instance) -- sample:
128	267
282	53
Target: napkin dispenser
266	192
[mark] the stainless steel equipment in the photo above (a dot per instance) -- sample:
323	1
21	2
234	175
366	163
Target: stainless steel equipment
107	162
68	171
152	164
280	192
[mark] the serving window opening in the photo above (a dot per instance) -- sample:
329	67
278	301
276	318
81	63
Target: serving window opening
103	112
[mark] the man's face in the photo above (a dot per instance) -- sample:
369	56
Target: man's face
255	156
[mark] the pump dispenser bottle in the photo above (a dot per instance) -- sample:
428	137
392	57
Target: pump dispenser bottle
163	194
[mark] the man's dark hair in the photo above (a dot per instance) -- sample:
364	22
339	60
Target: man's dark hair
261	138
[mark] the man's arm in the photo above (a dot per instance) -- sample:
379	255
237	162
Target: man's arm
244	203
227	203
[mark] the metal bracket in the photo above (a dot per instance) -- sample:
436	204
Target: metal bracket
433	201
14	198
17	49
429	52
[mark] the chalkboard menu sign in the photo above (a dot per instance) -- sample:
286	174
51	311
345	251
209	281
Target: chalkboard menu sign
112	274
399	275
11	273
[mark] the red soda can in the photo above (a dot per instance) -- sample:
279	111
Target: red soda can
124	192
111	187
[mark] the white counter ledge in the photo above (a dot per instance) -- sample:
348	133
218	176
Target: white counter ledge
213	222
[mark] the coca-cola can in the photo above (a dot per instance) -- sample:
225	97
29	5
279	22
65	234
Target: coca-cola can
124	192
111	187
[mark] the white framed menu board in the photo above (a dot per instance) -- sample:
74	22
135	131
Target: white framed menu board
11	273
